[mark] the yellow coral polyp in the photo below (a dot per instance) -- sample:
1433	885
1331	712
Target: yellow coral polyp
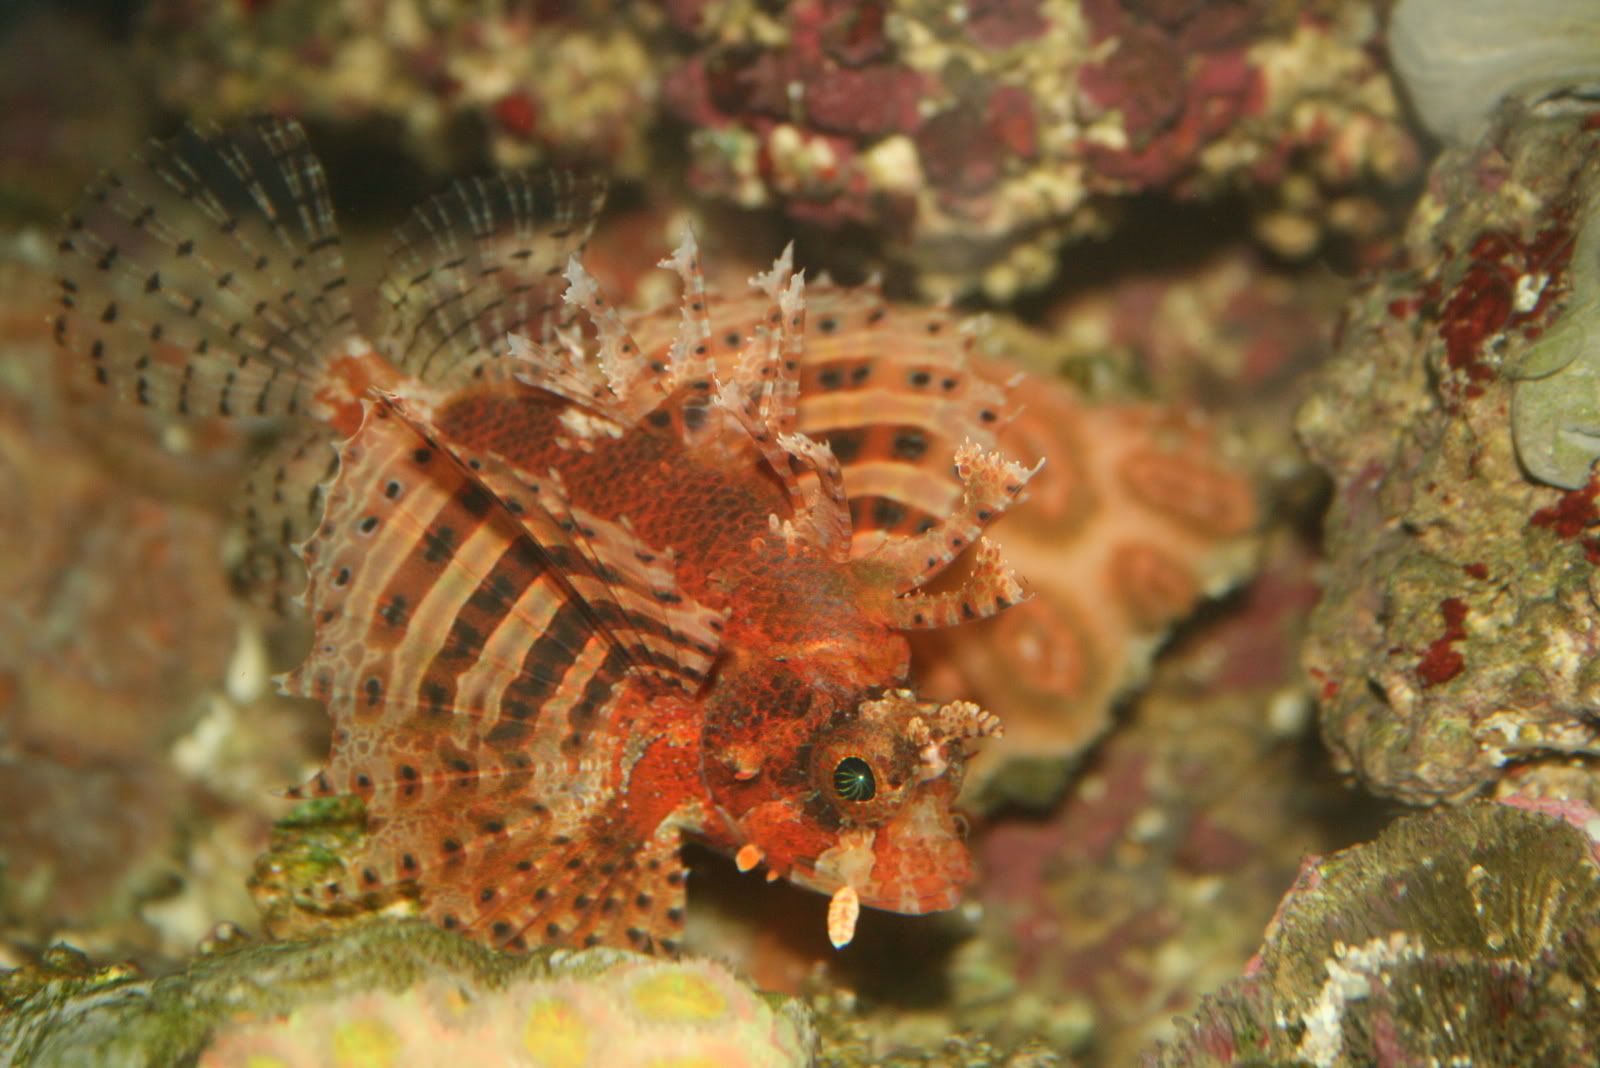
678	996
368	1043
556	1035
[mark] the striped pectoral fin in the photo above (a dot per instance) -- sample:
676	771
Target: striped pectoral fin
627	588
479	262
471	691
515	871
206	279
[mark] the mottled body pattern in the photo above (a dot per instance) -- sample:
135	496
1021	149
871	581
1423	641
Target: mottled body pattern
583	584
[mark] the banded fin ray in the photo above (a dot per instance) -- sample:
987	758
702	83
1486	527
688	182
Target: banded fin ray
629	588
465	681
894	419
891	391
208	279
478	262
598	889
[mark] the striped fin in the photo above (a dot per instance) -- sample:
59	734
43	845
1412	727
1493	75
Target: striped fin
894	393
469	688
600	888
207	279
990	484
279	509
628	588
479	261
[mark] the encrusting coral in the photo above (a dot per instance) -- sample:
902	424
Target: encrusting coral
528	83
1140	512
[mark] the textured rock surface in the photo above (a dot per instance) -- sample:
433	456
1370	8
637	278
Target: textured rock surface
1458	937
982	136
397	995
519	83
1148	886
1457	631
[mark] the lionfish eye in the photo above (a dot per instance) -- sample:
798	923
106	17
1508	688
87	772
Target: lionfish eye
853	780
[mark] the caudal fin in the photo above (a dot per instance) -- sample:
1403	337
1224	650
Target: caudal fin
206	279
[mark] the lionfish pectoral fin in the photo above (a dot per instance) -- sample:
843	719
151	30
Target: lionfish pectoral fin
207	280
464	677
628	589
585	888
479	263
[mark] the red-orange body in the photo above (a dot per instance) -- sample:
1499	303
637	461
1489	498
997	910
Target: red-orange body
584	587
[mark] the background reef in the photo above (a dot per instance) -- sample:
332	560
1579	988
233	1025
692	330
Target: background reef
1301	721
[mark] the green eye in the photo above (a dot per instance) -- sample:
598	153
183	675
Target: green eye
853	780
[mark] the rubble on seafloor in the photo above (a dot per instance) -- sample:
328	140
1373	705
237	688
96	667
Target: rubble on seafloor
1465	936
1454	645
388	994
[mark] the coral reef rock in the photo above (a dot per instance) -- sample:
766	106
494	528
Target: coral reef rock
1456	635
398	995
116	627
982	136
529	83
1465	936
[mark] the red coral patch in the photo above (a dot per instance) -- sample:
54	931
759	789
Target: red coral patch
1442	662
